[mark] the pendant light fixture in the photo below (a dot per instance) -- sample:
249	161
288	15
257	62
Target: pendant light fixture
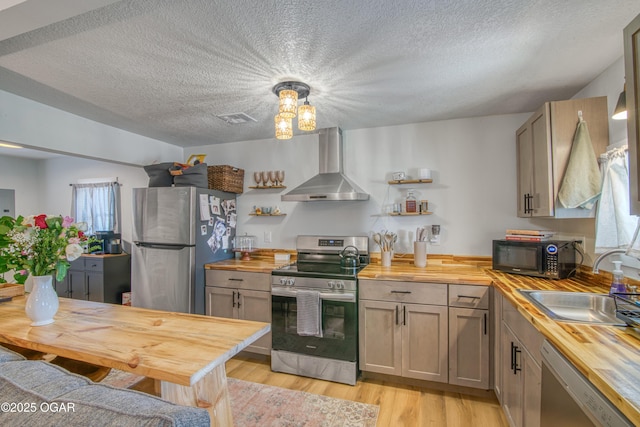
620	113
284	128
289	93
307	117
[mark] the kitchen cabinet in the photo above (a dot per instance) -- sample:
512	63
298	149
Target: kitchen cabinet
403	329
521	372
543	146
631	37
469	336
497	335
99	278
240	295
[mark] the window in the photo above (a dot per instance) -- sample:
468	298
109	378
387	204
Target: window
97	204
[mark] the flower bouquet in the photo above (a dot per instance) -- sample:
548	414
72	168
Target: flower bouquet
42	246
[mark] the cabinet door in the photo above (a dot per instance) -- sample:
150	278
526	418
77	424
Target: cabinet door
425	352
512	381
221	302
62	287
632	72
542	177
95	286
77	285
256	305
525	169
380	337
532	391
469	347
497	341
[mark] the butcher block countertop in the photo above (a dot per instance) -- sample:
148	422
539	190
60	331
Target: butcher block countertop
609	356
439	269
262	261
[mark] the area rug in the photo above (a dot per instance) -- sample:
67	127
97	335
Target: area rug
254	404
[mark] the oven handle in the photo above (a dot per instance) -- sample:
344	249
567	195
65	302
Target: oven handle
327	296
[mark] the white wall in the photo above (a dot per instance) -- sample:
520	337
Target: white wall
473	196
62	171
36	125
42	186
25	177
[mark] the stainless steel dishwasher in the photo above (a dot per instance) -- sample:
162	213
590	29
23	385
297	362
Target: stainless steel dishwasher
569	399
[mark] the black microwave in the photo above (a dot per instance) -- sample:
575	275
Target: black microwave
551	259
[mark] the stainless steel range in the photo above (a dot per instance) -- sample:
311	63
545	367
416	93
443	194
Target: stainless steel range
314	305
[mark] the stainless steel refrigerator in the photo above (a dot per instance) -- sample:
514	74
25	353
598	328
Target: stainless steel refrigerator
176	231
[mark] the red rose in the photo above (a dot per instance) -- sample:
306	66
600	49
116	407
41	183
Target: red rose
41	221
80	234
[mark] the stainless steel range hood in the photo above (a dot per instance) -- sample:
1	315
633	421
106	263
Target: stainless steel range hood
330	183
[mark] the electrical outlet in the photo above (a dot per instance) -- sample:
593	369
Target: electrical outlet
267	237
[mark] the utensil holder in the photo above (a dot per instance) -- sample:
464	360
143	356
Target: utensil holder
420	254
385	258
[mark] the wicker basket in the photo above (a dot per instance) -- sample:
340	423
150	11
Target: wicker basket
226	178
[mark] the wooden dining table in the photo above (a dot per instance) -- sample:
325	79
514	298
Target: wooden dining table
186	352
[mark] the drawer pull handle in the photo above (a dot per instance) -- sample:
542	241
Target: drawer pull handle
400	292
468	296
236	280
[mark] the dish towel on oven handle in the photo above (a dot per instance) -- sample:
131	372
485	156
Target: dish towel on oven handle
309	313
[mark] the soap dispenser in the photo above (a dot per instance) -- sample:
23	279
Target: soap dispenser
617	284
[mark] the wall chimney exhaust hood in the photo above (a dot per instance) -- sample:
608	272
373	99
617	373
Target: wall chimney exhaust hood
330	183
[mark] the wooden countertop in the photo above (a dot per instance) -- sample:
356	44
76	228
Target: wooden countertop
440	269
609	356
262	261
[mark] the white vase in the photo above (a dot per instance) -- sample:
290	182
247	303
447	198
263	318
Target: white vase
42	303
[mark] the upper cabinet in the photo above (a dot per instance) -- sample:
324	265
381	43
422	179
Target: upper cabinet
543	147
632	79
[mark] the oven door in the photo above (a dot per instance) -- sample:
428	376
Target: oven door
339	325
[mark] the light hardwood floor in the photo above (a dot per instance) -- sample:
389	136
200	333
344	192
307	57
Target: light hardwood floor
400	405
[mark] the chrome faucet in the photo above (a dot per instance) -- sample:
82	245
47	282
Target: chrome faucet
604	255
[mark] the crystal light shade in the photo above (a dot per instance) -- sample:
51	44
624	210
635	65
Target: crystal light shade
307	117
284	127
288	103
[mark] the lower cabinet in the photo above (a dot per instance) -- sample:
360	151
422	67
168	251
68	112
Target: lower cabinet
520	388
469	336
403	329
99	278
240	295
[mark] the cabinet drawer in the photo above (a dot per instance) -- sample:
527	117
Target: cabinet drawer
469	296
93	264
77	265
238	279
407	292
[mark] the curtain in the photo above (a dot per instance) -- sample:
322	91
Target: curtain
97	204
615	227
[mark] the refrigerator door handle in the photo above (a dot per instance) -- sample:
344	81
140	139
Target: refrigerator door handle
160	246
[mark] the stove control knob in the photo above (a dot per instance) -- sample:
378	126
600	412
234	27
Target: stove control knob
290	281
340	285
331	284
283	281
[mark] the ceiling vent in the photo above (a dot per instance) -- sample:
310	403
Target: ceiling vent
236	118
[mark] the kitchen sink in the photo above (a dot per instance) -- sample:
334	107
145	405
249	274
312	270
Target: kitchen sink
580	307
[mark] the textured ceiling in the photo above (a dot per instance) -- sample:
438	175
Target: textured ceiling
165	69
